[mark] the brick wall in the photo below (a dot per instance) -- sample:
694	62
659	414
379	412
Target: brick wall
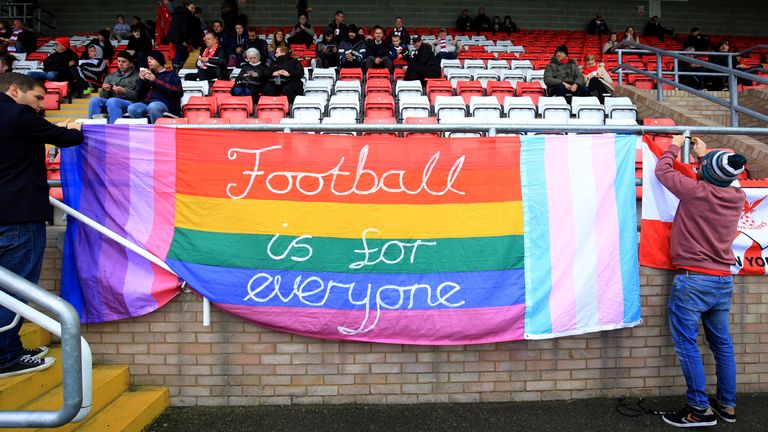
713	16
233	362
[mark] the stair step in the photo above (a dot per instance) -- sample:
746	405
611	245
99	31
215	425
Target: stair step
131	412
32	335
18	390
109	382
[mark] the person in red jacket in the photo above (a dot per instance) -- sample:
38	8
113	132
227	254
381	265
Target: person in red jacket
700	245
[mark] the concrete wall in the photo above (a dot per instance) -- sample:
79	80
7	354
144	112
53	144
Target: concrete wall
233	362
741	17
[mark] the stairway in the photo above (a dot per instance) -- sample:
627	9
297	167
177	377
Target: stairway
75	110
116	407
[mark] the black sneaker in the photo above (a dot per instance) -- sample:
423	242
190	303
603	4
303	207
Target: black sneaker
26	364
690	417
721	412
37	353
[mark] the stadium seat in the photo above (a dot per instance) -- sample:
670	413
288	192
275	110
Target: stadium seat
171	121
437	87
340	120
272	107
319	87
379	105
534	75
521	65
469	88
421	120
348	88
222	86
376	73
448	64
449	107
134	121
53	171
512	75
60	88
555	108
456	75
213	120
588	108
500	89
498	65
520	109
350	74
641	82
344	106
408	88
51	102
473	64
484	76
235	107
378	85
620	108
532	89
309	108
484	107
198	107
399	74
198	88
414	106
324	74
380	120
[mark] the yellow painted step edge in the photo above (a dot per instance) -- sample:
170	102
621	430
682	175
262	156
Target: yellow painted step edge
109	382
32	335
131	412
18	390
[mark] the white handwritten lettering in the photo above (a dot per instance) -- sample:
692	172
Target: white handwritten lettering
390	245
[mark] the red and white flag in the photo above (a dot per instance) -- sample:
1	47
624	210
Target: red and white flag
659	207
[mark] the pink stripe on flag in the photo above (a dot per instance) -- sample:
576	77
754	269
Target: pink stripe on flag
410	327
562	298
610	295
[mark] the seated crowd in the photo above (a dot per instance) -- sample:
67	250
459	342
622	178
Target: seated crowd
141	86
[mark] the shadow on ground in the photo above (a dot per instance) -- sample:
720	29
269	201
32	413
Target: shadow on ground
584	415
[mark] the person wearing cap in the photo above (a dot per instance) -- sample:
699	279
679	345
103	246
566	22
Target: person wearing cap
118	90
422	64
159	90
700	243
352	50
562	75
59	64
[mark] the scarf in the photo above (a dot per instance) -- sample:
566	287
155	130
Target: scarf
209	52
443	45
589	70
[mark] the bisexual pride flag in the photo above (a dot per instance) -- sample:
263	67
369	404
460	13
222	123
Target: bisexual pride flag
414	241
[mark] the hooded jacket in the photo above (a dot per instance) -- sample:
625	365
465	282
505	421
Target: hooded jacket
356	46
557	73
93	69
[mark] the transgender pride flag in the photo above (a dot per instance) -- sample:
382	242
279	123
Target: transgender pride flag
412	241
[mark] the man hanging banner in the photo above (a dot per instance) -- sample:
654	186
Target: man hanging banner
659	206
414	241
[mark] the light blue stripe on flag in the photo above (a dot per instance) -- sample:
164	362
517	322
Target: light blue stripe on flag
627	213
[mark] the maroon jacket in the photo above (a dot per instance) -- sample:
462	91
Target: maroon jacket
706	220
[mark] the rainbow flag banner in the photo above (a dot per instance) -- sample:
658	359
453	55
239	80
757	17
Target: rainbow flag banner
413	241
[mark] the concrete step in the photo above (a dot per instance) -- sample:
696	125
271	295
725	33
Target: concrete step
19	390
32	335
131	412
109	382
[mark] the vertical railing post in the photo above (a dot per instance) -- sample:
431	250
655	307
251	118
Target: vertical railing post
685	156
659	87
621	69
733	89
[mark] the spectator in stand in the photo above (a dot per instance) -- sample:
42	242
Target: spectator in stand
253	75
159	90
58	66
481	23
22	40
230	12
598	26
401	31
139	45
183	33
422	64
163	16
278	40
718	83
694	81
377	51
630	35
327	51
562	75
598	79
121	29
226	37
6	63
397	49
338	28
302	8
509	25
284	76
24	200
91	71
352	51
136	22
698	40
464	22
496	25
446	49
118	90
102	41
254	41
212	61
237	55
655	29
5	30
302	33
609	47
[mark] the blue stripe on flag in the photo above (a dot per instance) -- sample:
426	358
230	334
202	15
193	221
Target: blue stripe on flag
627	212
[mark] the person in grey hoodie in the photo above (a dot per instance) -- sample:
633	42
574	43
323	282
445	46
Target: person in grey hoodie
118	90
562	76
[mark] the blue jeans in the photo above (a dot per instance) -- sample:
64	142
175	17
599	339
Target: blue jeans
115	107
154	109
44	76
708	298
21	251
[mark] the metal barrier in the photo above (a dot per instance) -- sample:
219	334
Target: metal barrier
27	12
658	75
75	352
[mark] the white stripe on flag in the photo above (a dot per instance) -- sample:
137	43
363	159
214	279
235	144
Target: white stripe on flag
658	203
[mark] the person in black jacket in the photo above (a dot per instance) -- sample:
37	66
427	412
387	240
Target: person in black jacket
378	51
464	22
24	200
102	40
139	45
698	40
481	23
654	28
718	83
253	74
211	63
422	64
284	76
254	41
401	31
302	33
184	32
338	28
59	65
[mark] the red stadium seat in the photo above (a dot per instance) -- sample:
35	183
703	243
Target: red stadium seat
532	89
52	102
235	107
379	105
61	88
378	85
199	107
376	73
500	89
380	120
351	74
171	121
641	82
272	107
438	87
399	74
53	167
222	86
212	120
421	120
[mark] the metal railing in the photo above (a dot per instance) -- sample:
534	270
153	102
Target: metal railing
29	13
711	70
75	352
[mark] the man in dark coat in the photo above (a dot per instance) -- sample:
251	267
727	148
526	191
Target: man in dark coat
284	76
338	28
482	22
422	64
212	62
24	200
184	32
59	65
562	75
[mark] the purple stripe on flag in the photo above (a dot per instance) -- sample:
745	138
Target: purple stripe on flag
417	327
562	298
609	280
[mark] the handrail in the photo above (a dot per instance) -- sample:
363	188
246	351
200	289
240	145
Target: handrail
29	11
750	49
75	352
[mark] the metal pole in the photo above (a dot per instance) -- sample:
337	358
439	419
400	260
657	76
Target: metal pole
621	70
659	86
733	91
686	154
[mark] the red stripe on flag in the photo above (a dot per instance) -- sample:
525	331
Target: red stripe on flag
654	249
